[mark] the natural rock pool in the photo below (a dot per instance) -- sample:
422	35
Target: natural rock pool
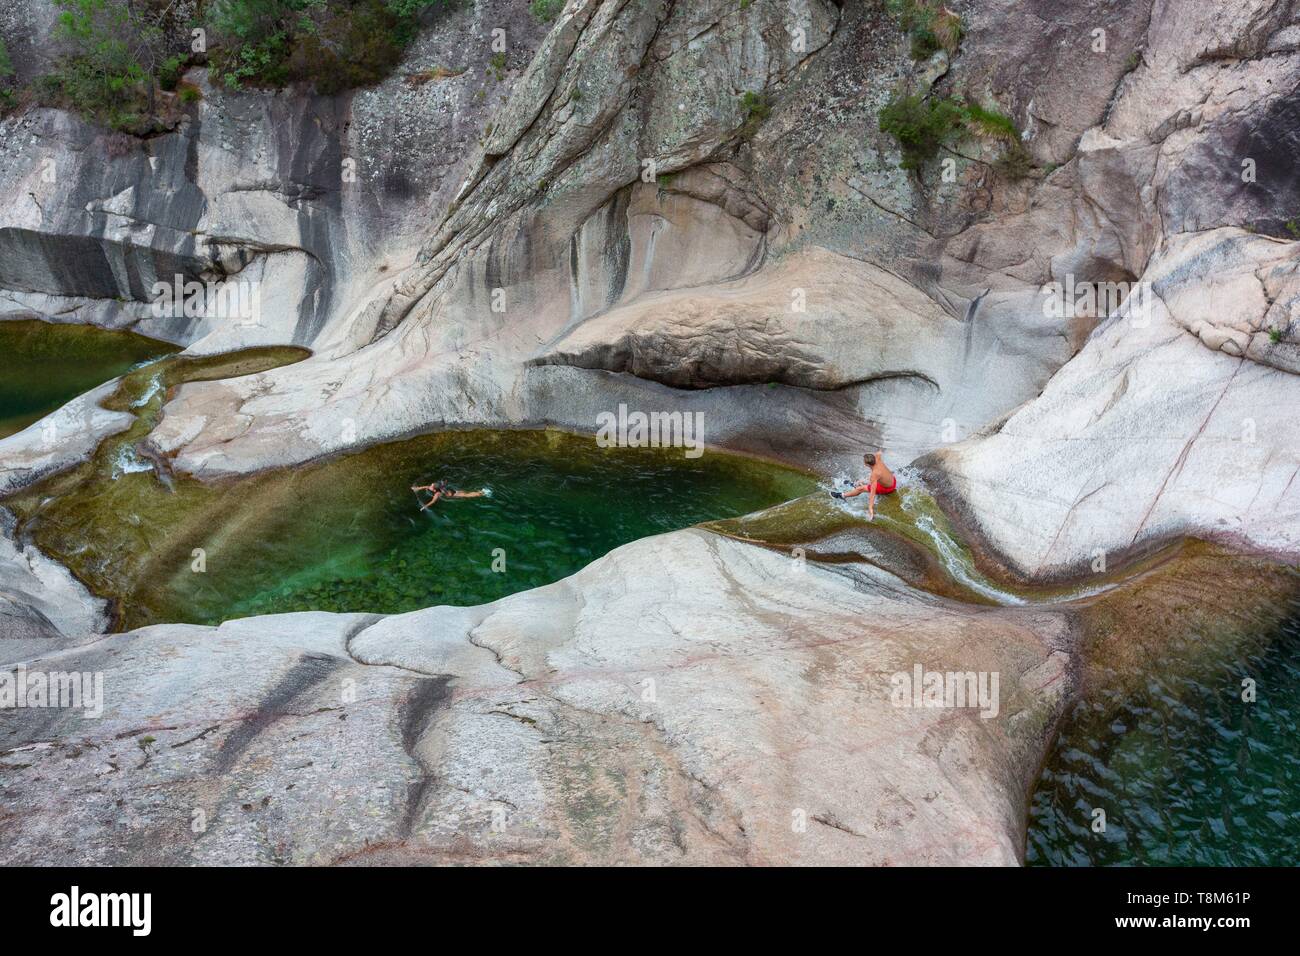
348	534
44	364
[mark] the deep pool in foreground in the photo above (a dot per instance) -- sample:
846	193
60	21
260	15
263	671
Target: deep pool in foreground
1187	771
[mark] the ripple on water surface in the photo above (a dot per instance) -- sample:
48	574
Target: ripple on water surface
1187	772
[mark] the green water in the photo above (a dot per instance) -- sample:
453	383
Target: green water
44	364
557	503
1187	772
348	534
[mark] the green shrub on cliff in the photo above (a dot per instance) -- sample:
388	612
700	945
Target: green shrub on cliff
757	107
114	57
331	45
6	71
921	125
411	9
930	24
1014	161
990	123
102	74
546	10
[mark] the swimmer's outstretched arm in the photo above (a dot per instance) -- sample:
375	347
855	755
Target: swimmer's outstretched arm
431	501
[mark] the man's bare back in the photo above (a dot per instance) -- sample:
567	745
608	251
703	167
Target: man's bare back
880	481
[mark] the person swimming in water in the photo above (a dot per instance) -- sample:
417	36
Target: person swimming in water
880	481
440	490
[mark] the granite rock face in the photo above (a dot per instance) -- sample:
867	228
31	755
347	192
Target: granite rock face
61	439
42	606
315	202
807	308
615	222
1172	418
685	699
1147	434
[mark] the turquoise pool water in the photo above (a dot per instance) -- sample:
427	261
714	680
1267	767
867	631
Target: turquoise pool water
348	534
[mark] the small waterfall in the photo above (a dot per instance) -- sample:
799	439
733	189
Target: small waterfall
127	462
924	515
155	386
956	560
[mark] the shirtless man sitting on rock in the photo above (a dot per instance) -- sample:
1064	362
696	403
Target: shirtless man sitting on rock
880	481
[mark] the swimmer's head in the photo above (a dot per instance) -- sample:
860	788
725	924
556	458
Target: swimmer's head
870	460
